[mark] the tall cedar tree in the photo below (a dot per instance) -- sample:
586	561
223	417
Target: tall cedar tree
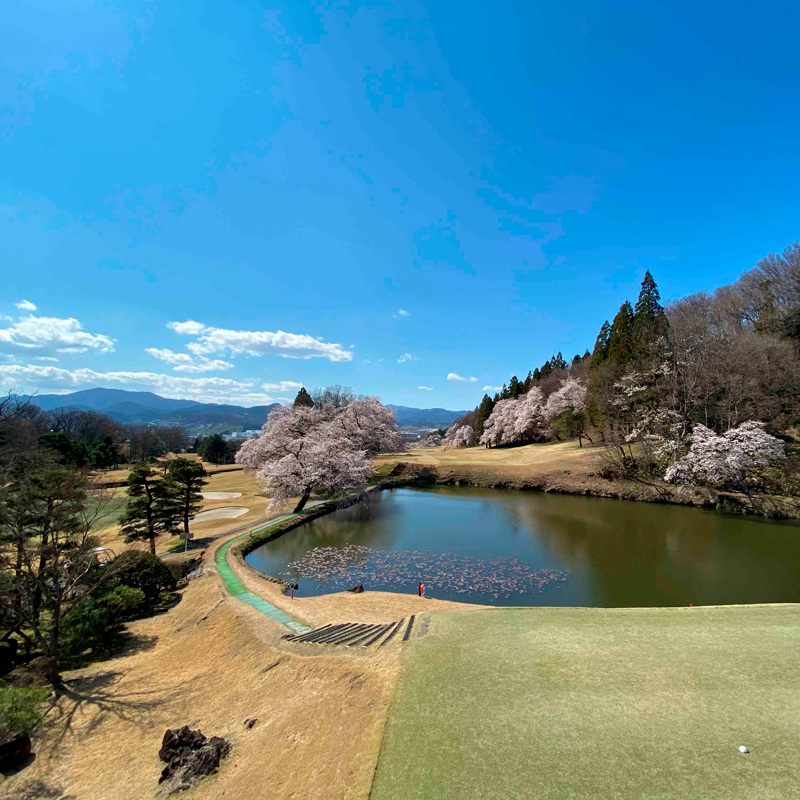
303	398
649	321
484	412
600	352
153	507
620	345
187	478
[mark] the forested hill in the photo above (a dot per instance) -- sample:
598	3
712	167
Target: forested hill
141	408
138	408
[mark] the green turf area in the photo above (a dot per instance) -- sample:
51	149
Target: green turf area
606	703
109	511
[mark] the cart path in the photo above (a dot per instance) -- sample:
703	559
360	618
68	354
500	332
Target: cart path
240	591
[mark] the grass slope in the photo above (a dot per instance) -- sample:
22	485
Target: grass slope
612	703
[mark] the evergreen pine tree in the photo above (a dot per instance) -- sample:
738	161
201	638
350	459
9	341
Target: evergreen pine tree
526	386
649	321
484	411
600	352
153	507
187	478
620	345
303	398
514	388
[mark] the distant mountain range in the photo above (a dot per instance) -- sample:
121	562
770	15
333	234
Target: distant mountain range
425	417
142	408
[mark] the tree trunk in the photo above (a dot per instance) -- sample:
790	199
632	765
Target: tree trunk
303	500
152	544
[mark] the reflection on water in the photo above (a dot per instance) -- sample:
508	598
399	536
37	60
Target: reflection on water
614	552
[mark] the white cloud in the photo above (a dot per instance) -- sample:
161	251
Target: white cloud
169	356
406	357
453	376
488	388
210	389
205	365
49	359
400	313
183	362
188	328
426	388
25	305
257	343
281	386
52	335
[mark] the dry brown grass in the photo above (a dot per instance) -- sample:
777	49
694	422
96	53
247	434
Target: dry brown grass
212	662
121	474
543	457
562	467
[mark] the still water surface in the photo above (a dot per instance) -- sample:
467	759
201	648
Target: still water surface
504	547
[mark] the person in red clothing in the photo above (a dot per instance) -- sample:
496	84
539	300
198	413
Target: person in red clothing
421	588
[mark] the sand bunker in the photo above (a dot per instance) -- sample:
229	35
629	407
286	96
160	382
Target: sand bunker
228	512
220	495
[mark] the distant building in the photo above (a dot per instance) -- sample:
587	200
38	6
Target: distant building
238	436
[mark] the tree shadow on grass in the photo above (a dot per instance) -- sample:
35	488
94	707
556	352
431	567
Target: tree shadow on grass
37	790
125	643
95	697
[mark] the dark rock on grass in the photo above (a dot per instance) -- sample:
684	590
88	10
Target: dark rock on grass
190	756
248	723
13	752
8	655
357	589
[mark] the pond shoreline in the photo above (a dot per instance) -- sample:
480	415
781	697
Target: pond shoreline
589	485
416	475
612	554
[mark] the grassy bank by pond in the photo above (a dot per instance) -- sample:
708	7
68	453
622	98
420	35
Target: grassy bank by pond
561	468
574	703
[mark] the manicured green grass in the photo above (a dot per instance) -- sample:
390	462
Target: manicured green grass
605	703
108	510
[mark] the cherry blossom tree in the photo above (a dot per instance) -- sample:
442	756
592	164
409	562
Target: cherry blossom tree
566	410
326	448
368	425
570	395
725	460
529	417
464	437
500	426
450	433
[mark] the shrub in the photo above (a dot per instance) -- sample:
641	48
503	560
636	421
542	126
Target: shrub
144	571
19	713
100	616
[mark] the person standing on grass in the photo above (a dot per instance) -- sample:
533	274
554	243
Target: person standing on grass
421	589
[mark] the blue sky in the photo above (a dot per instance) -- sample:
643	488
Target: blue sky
408	191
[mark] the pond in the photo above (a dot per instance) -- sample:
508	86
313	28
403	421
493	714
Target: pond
505	547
